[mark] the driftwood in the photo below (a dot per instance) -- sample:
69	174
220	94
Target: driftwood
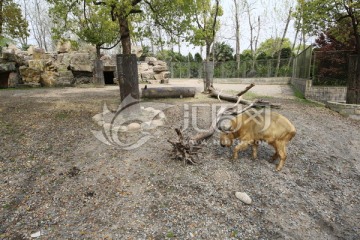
235	98
168	92
184	149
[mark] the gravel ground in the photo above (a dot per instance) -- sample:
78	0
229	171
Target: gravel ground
58	181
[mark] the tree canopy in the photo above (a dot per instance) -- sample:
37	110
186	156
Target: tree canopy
12	23
340	17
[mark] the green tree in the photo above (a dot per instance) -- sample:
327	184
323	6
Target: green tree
342	19
198	58
271	46
90	23
322	15
222	52
12	23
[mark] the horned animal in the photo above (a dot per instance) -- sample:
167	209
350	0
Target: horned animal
252	127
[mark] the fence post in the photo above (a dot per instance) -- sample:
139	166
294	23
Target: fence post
353	86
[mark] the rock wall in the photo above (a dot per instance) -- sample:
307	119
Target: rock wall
66	67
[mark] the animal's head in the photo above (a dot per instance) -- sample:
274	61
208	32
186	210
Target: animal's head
227	127
226	139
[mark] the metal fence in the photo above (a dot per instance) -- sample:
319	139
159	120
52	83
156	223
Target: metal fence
231	69
302	64
329	68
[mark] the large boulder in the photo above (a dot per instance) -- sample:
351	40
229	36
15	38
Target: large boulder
30	76
81	62
48	79
153	71
63	47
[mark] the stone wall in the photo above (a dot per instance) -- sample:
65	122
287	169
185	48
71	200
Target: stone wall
319	93
348	110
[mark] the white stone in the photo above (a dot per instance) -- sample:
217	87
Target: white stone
243	197
98	117
107	126
123	128
133	127
149	109
36	235
157	123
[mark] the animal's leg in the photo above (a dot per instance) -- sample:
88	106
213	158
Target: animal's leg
282	154
243	145
276	155
254	150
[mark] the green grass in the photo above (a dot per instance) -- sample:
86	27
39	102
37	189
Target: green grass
62	115
170	235
301	98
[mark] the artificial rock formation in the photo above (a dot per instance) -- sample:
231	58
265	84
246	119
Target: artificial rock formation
66	67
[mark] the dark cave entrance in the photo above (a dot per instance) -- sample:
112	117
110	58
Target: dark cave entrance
109	78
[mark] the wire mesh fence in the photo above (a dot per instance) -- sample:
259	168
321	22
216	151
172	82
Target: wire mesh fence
327	68
232	69
302	64
330	68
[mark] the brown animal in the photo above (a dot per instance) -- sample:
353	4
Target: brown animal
254	126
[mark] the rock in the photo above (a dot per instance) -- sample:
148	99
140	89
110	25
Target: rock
123	128
150	60
36	235
243	197
160	68
81	62
160	63
138	51
107	126
48	79
132	127
7	67
30	75
36	64
148	75
63	46
157	123
98	117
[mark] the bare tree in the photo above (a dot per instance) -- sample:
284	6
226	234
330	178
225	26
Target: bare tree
255	28
282	41
40	22
237	13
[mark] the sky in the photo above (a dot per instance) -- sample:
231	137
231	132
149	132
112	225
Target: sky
272	14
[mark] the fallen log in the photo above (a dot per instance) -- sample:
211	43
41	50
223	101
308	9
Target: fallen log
235	98
168	92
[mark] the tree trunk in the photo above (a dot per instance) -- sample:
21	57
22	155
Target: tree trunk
1	17
207	69
281	43
168	92
125	34
98	69
127	64
353	86
237	35
99	73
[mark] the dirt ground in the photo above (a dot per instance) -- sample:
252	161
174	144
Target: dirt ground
58	181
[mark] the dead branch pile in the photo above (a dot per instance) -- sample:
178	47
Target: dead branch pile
184	149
